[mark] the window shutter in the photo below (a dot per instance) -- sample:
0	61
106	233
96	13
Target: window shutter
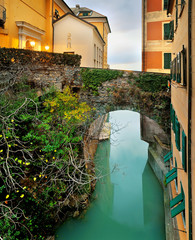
173	120
166	31
167	60
184	151
174	69
165	4
176	14
184	67
171	24
177	133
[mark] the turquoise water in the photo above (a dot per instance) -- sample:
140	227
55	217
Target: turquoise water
128	201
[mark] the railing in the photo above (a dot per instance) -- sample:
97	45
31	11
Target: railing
2	14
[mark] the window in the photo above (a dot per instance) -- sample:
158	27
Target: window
2	16
56	14
165	4
178	204
85	13
167	60
184	150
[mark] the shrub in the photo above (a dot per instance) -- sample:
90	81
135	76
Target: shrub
151	82
93	78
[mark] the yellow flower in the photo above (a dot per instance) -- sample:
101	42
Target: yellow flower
17	191
1	150
22	195
7	196
9	145
34	178
1	135
27	163
12	120
46	160
24	187
40	175
53	157
54	150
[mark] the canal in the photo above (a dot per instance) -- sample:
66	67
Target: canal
128	200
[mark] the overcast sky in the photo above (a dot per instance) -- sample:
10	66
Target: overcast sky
124	42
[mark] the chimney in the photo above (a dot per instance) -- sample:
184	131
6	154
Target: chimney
78	6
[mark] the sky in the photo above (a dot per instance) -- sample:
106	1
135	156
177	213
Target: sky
124	41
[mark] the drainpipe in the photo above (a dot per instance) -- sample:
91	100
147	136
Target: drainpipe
52	28
190	115
143	32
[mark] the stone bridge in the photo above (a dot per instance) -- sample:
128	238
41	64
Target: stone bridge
42	70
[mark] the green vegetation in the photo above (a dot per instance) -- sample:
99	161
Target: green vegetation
43	174
150	82
93	78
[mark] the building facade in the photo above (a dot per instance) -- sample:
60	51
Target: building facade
102	24
28	24
156	36
182	165
79	37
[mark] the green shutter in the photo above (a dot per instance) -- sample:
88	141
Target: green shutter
171	178
177	133
171	172
171	30
180	208
166	31
174	69
184	151
167	60
176	200
176	15
165	4
184	67
173	121
180	200
168	156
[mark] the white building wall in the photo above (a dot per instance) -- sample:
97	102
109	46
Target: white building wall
73	35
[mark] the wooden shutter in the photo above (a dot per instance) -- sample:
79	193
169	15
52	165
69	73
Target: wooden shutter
165	4
167	60
166	31
177	133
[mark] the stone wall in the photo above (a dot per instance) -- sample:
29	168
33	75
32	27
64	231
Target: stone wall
40	69
123	94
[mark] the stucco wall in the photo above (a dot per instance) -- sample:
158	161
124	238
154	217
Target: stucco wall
77	37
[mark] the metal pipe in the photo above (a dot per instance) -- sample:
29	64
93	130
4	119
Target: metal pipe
189	115
143	32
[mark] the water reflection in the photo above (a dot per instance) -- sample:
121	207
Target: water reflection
129	199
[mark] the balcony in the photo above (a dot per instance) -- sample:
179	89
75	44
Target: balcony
2	16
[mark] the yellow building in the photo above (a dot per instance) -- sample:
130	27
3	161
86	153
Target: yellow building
102	24
28	24
182	172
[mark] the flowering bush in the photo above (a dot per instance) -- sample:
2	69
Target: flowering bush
42	169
